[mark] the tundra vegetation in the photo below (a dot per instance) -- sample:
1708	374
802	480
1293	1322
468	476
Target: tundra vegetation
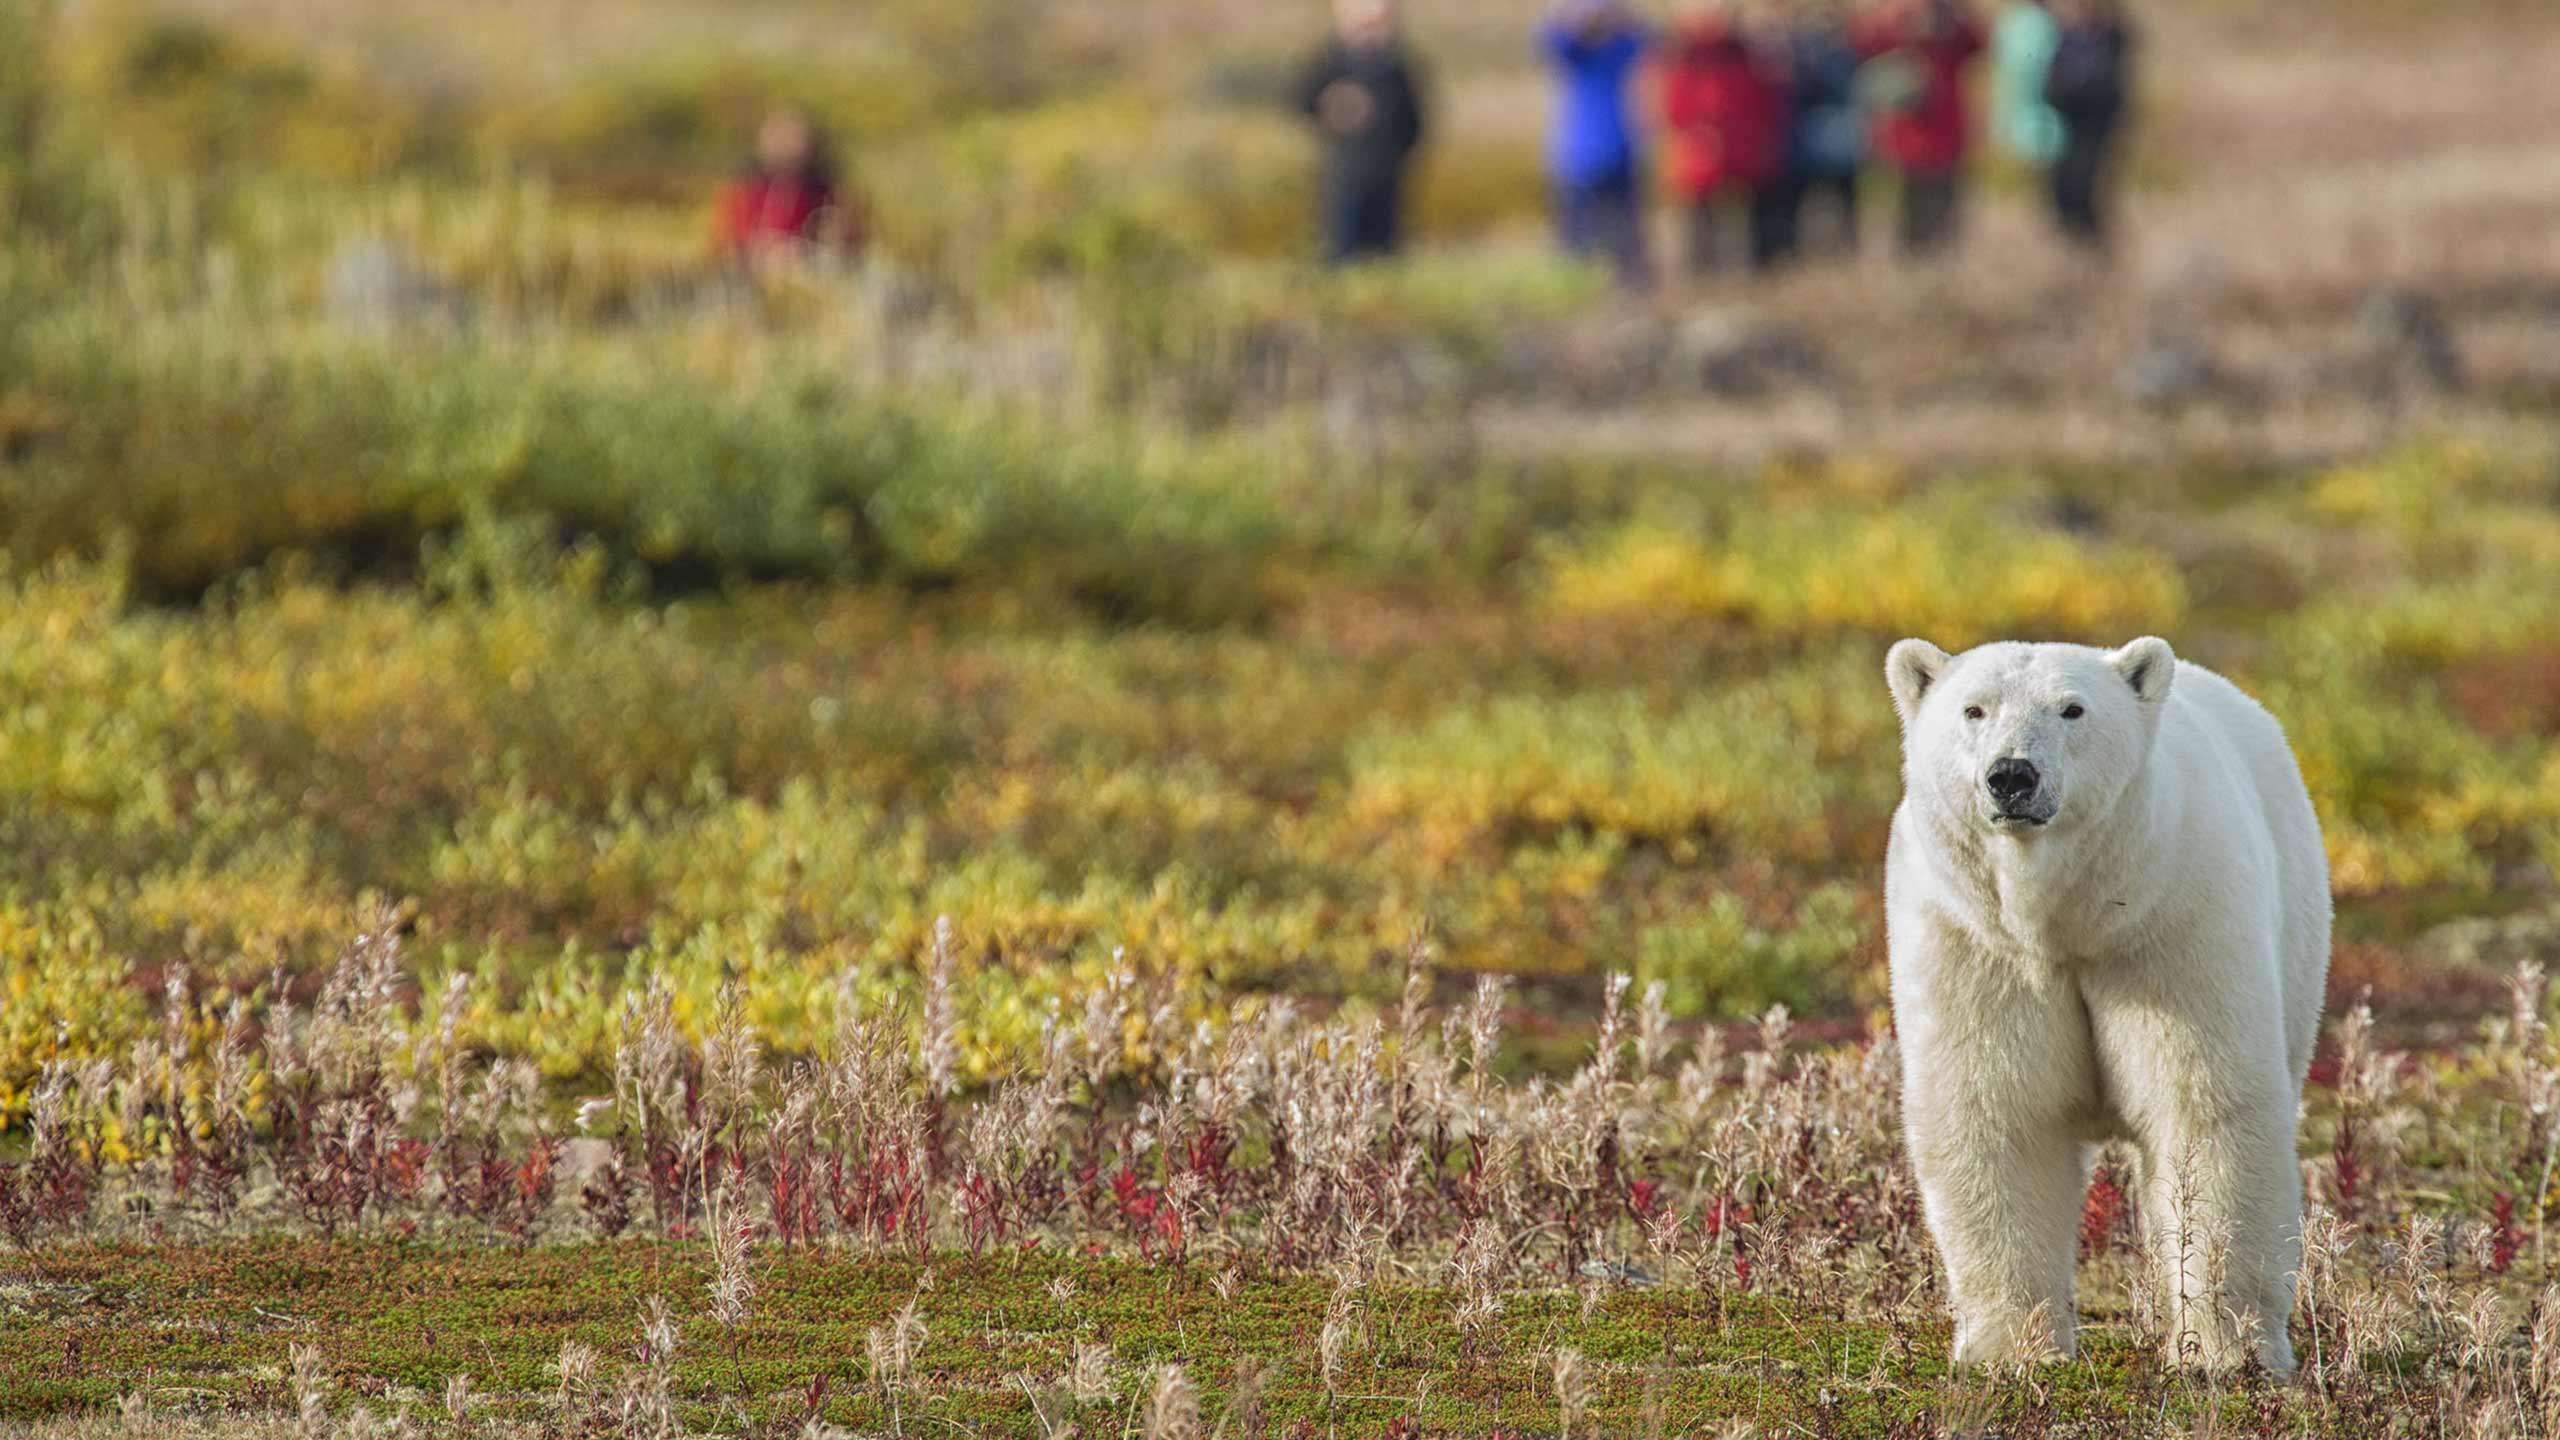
1043	835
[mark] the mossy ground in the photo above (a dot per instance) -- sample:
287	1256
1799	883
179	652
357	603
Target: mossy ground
209	1328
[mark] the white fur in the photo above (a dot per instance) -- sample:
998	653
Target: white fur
2147	966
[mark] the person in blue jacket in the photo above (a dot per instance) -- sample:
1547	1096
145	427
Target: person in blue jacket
1595	157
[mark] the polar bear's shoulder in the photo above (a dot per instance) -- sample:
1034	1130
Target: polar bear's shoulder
2238	771
2208	712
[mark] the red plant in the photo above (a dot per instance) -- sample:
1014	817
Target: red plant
1207	1153
882	1196
2102	1213
982	1217
2504	1239
1726	1213
404	1169
1149	1212
792	1196
536	1176
1135	1204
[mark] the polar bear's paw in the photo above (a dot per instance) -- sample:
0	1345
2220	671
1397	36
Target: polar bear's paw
2014	1339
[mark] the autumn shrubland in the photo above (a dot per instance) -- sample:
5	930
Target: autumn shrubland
960	758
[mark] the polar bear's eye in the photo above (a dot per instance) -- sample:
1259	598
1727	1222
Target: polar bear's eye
2072	712
1973	712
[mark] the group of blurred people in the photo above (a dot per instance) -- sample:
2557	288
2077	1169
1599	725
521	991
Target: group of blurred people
1761	118
1767	116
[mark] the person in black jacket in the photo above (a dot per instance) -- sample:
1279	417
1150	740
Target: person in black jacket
1827	139
2090	86
1365	97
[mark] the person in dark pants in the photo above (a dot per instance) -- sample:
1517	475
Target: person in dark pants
2090	86
1916	85
1364	96
1826	135
1594	156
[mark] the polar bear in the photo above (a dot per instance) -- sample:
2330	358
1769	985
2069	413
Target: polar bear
2107	907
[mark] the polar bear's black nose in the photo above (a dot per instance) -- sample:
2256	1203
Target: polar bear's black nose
2012	781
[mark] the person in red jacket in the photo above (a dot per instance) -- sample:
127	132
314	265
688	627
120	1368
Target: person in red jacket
788	202
1725	109
1914	82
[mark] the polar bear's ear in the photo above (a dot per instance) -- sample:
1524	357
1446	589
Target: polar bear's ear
1910	668
2148	665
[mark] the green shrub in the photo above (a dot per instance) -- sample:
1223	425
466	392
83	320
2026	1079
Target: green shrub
200	462
1771	766
667	131
189	99
667	128
1720	966
52	203
63	995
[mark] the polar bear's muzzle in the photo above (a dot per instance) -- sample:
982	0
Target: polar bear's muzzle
2017	794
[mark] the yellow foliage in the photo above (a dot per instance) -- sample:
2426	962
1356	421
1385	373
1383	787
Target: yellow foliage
190	100
1958	573
1650	571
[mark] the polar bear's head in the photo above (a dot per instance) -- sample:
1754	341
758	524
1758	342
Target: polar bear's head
2022	738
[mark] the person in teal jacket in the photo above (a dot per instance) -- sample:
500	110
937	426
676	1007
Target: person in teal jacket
2022	49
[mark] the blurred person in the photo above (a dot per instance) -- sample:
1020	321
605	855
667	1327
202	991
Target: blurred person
788	200
1363	93
1826	134
1724	108
1595	156
1915	84
2022	44
2089	87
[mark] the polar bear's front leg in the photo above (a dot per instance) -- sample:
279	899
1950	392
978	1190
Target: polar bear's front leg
2002	1198
2203	1084
1998	1077
2224	1227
